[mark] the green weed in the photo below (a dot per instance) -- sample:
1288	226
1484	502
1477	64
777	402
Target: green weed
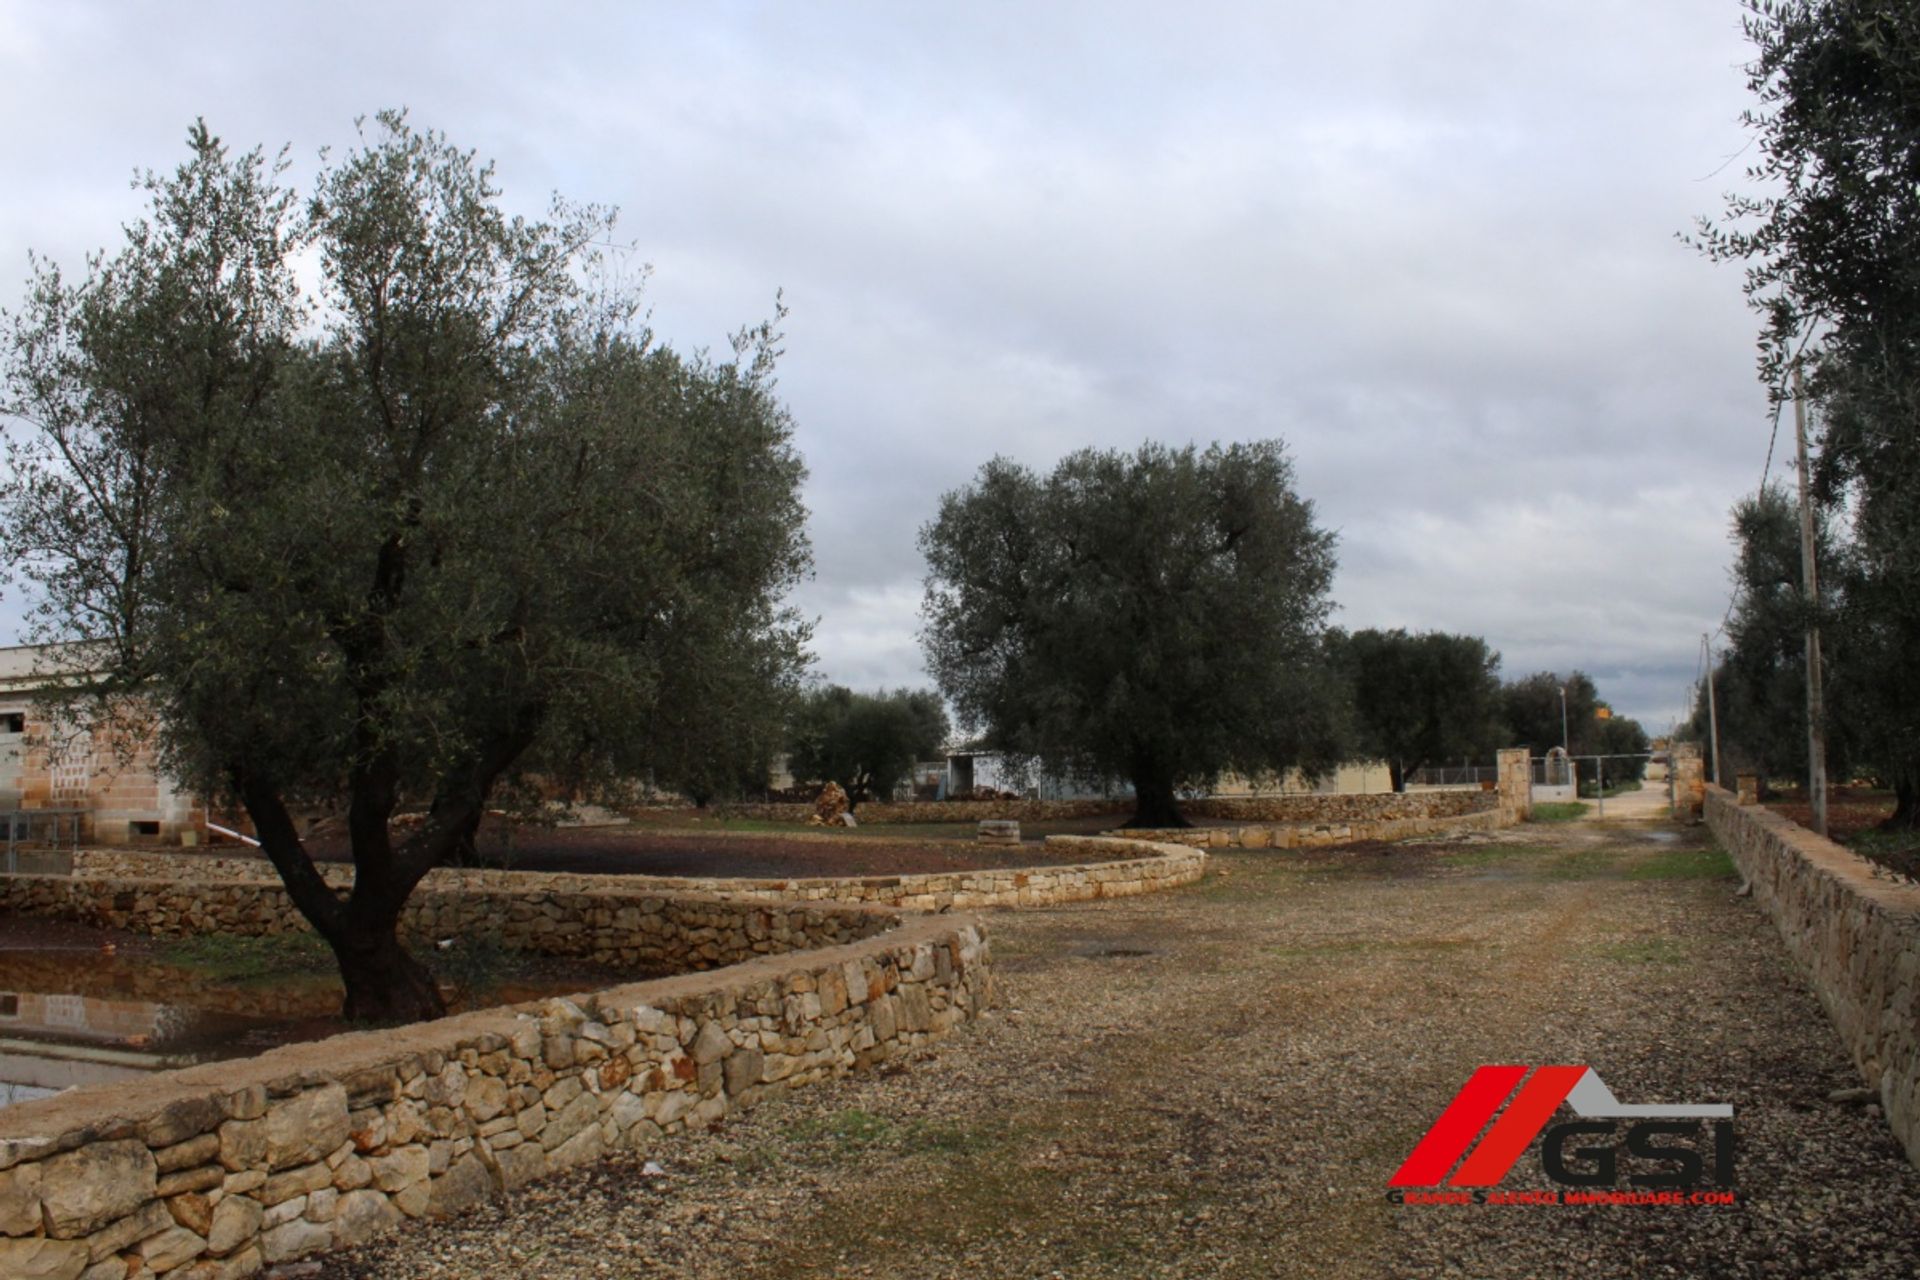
1683	864
232	957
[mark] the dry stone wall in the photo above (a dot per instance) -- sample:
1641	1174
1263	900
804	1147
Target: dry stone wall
1113	868
1321	834
1856	936
609	925
1287	808
876	813
1337	809
218	1171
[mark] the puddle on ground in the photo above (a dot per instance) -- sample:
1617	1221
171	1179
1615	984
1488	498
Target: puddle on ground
1659	836
83	1007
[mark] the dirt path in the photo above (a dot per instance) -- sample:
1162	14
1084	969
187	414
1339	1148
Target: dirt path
1218	1082
1650	803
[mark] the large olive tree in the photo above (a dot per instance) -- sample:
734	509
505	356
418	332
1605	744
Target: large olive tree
1157	616
385	495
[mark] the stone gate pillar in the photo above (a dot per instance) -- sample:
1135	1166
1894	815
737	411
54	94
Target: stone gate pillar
1514	781
1689	774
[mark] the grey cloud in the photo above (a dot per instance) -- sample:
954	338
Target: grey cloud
1430	246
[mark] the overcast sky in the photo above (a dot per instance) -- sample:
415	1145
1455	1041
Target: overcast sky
1430	246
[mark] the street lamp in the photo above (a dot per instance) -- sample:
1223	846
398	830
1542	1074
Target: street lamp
1565	745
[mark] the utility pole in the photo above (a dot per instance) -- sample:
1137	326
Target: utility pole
1713	713
1816	708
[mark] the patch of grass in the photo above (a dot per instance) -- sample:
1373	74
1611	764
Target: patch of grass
853	1133
1558	811
231	957
1683	864
1579	864
847	1130
474	965
1660	951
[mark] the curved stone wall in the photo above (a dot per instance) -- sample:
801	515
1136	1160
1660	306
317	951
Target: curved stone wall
1117	866
1320	834
219	1170
609	924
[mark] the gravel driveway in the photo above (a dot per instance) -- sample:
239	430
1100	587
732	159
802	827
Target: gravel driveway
1218	1082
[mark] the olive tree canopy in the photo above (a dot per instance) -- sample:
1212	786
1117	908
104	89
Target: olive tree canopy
1156	616
386	496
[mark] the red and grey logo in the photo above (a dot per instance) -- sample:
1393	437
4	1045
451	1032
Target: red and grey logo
1449	1155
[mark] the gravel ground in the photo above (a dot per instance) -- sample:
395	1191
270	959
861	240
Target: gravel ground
1219	1081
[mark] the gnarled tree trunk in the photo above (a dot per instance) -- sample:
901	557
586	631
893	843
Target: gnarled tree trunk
1155	803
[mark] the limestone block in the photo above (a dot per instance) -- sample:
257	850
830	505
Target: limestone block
351	1174
201	1178
143	1222
401	1169
465	1184
486	1097
243	1144
743	1068
322	1205
171	1248
583	1147
83	1190
578	1114
292	1183
41	1259
182	1120
522	1165
413	1200
711	1044
20	1200
295	1239
236	1220
204	1149
362	1215
192	1211
306	1127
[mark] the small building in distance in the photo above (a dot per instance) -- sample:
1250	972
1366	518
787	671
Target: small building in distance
968	770
89	786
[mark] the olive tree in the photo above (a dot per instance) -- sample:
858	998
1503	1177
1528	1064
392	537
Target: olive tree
1420	699
866	742
1156	616
1827	246
431	513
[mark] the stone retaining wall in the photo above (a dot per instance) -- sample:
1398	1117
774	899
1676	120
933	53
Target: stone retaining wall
876	813
1333	810
608	925
1115	868
1855	934
1287	808
216	1171
1320	834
